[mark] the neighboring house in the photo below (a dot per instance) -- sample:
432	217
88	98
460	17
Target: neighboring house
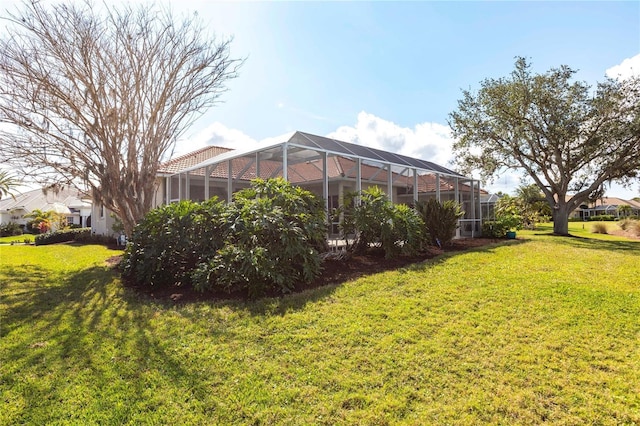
327	167
605	206
73	204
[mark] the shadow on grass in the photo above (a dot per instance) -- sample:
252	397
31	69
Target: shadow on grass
629	246
81	330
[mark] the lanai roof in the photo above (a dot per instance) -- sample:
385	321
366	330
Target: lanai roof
303	146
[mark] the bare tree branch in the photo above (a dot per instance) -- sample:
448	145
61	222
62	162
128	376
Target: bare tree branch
97	96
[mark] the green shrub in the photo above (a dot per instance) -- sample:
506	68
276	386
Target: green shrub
10	229
272	240
440	219
494	229
171	240
377	222
602	218
408	234
62	236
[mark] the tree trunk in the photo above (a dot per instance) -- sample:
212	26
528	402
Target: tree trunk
561	219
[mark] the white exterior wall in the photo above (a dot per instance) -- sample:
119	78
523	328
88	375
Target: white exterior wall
101	221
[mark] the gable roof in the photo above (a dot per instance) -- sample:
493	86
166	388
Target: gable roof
37	199
178	164
614	202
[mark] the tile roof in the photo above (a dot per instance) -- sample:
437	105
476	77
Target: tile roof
190	159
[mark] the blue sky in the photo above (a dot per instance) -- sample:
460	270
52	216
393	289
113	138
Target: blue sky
387	74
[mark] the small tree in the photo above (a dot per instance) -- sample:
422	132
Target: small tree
509	213
96	96
624	210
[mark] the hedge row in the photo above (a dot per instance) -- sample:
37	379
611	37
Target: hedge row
62	236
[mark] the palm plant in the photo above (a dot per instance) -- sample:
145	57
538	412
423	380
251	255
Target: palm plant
7	184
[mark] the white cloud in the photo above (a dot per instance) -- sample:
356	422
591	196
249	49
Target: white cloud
428	141
217	134
627	68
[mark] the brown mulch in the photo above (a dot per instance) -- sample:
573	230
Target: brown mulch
333	272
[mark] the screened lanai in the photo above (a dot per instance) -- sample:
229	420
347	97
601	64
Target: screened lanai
327	167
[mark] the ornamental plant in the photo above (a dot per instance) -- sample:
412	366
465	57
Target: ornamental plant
273	235
440	219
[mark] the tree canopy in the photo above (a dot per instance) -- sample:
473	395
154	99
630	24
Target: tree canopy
565	135
96	96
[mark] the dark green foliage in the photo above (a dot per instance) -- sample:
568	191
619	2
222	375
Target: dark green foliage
10	229
377	222
494	229
266	240
90	238
440	219
603	218
171	240
274	232
62	236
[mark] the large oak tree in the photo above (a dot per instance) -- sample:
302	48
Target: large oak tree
566	136
96	96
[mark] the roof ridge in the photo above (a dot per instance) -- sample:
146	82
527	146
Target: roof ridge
193	154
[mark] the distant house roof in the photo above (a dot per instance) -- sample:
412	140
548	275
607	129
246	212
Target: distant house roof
614	202
38	199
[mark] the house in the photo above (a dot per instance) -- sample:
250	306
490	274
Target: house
606	206
327	167
73	204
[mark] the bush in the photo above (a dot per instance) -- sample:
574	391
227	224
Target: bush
599	228
602	218
170	241
440	219
377	222
272	241
90	238
62	236
408	234
10	229
494	229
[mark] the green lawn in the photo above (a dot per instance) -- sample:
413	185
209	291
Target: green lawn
541	330
17	239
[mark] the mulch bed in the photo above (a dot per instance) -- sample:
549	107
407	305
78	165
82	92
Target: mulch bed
334	272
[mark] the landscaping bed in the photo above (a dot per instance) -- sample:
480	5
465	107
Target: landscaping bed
333	271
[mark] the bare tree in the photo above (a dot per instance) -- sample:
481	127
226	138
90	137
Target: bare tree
97	96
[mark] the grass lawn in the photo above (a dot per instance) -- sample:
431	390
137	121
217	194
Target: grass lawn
17	239
540	330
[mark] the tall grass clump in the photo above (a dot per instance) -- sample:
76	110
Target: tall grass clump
599	228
